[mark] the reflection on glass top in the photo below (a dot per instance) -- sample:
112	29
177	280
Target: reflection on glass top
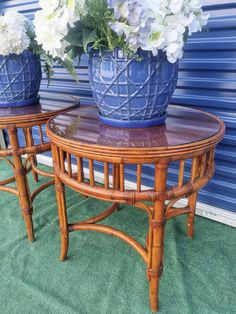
47	104
183	126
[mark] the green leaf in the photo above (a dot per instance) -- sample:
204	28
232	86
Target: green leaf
75	52
68	65
88	37
48	70
75	35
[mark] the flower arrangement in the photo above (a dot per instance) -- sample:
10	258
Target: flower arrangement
154	25
14	33
68	28
17	35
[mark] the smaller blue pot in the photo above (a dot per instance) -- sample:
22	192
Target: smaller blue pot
132	93
20	77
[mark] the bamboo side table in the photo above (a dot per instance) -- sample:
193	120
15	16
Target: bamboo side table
188	139
14	120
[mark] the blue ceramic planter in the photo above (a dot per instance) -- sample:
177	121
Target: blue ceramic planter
20	77
131	93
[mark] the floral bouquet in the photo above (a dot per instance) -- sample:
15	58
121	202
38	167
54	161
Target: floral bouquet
20	68
133	46
68	28
17	35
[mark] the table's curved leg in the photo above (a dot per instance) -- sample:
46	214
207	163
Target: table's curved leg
192	201
22	184
156	237
60	193
62	212
156	229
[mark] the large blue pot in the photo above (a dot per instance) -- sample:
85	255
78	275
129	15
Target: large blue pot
20	77
129	92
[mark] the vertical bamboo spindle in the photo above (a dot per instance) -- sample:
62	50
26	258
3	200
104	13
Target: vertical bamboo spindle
80	167
69	169
22	184
41	134
62	160
181	174
203	165
117	179
156	229
30	143
106	175
211	158
122	177
91	172
139	177
115	176
192	200
61	202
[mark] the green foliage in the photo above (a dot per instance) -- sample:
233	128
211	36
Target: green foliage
39	52
46	59
75	35
48	70
93	31
68	65
89	36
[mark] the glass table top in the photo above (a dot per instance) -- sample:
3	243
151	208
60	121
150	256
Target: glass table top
46	105
183	126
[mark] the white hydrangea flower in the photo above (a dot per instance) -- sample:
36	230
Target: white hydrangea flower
176	6
192	6
49	6
51	24
147	24
159	24
13	33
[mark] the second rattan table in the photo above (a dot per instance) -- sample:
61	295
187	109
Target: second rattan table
22	120
187	139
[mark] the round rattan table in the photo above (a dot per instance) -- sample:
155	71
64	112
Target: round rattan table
186	142
26	124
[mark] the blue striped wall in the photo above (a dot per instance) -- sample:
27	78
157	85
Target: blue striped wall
207	80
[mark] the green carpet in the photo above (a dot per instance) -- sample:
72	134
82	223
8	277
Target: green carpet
103	275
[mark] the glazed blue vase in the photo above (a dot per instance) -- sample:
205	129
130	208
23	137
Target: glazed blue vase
132	93
20	77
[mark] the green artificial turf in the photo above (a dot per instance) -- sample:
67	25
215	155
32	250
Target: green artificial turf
103	275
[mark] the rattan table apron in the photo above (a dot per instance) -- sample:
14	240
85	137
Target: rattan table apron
25	118
188	136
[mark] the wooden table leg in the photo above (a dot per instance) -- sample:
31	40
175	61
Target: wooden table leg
22	184
60	194
156	237
62	211
192	200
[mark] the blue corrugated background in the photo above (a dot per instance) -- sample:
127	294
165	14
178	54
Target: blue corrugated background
207	80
